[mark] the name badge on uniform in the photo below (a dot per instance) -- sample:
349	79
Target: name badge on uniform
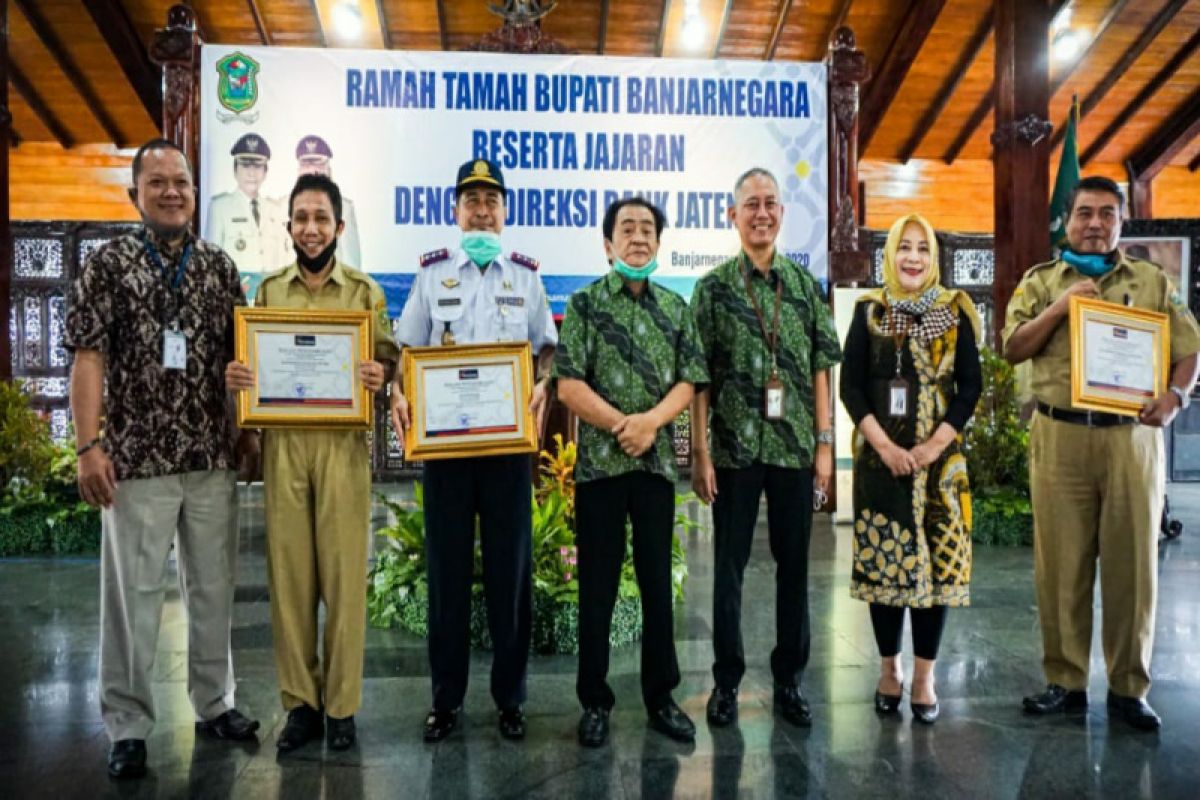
773	399
444	302
898	398
174	350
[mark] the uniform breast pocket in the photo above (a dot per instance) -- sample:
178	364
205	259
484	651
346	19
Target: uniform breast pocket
512	322
447	315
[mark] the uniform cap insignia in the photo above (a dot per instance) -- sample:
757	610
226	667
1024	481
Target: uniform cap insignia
481	169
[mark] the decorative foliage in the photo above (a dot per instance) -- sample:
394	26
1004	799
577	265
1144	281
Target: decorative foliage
40	509
398	590
997	445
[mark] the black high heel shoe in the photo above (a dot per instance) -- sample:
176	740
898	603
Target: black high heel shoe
887	704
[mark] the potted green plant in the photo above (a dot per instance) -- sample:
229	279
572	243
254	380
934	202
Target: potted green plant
398	590
997	445
40	509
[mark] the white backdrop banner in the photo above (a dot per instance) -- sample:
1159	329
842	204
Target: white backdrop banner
571	134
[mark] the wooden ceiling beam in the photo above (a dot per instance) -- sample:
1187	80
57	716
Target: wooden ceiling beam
1181	127
130	52
662	29
443	34
1064	74
602	39
986	103
256	14
316	10
889	77
777	32
1118	70
716	53
384	31
1135	105
965	60
1192	167
69	68
34	100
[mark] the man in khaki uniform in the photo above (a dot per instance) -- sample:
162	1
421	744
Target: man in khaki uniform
317	487
1097	480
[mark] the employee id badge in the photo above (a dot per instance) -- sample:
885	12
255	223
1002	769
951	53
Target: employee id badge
898	398
174	350
773	399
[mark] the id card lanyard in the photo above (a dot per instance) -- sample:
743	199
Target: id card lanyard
898	386
773	394
174	354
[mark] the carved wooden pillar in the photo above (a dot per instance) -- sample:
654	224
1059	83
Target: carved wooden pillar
6	248
1022	146
176	48
1141	194
848	69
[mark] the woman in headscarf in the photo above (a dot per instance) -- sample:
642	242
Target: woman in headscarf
910	381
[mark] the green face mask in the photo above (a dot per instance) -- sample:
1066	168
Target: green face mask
482	247
635	273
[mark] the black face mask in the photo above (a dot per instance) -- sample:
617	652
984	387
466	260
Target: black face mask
315	263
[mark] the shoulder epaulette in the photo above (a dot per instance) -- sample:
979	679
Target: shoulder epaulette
434	256
524	260
1042	265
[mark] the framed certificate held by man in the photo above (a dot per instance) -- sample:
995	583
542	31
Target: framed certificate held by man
1120	356
305	365
468	400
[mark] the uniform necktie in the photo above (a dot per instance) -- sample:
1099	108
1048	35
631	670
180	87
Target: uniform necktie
254	211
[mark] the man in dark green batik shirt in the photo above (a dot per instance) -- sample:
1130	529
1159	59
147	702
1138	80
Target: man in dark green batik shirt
769	340
628	361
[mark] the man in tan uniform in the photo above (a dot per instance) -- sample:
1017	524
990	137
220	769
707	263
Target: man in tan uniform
317	487
1097	480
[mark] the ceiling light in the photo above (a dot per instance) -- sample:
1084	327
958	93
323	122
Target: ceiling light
1065	45
695	33
347	20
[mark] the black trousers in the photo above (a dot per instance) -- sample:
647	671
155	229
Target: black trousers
789	524
601	508
498	489
927	626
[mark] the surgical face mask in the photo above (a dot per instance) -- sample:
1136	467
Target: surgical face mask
482	247
1092	265
635	273
315	263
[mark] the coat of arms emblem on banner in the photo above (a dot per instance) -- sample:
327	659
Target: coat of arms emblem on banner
238	87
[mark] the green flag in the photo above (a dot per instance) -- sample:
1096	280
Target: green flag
1064	184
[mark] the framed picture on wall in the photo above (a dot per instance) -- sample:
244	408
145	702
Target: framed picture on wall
1172	253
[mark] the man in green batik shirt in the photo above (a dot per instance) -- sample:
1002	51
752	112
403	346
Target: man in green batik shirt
769	341
628	362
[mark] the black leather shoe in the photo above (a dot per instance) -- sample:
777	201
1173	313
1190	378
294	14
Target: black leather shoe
1133	710
925	713
440	724
593	727
127	758
304	724
512	723
1057	699
887	704
670	720
722	707
792	705
232	725
340	734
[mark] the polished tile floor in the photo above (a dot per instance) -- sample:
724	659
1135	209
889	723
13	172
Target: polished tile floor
52	743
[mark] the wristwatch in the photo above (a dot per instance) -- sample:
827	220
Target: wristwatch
826	436
1185	399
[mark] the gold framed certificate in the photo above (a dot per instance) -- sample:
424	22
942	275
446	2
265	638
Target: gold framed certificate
305	365
468	400
1120	356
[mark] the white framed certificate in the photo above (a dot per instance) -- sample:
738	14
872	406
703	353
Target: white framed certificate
1120	356
468	400
305	365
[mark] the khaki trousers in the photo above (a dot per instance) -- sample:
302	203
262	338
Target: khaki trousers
317	491
1097	497
198	510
